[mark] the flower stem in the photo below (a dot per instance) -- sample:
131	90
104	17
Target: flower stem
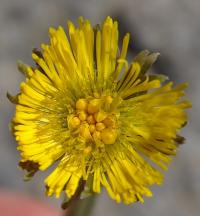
80	207
76	206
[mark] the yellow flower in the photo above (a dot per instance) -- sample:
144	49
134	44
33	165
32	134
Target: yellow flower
102	120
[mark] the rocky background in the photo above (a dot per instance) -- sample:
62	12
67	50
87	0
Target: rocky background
170	27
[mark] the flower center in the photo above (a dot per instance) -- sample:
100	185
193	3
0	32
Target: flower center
94	121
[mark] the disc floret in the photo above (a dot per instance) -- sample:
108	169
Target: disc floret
93	122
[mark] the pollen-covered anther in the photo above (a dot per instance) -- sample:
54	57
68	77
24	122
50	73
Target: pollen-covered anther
85	132
92	128
91	119
100	116
82	116
109	122
100	126
81	104
94	106
108	135
96	135
75	122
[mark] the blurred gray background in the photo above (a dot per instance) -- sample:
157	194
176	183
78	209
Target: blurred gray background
170	27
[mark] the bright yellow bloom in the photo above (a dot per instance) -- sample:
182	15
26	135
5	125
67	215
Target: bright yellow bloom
102	119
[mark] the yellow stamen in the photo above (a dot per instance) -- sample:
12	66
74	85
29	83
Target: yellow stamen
108	135
75	122
100	126
81	104
93	106
92	128
96	135
90	119
85	132
100	116
82	116
109	122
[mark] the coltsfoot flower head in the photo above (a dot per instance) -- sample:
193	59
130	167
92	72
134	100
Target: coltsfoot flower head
82	105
